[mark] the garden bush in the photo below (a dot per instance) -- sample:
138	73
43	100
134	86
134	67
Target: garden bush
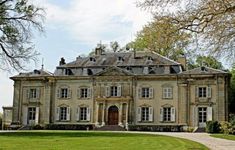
212	127
226	127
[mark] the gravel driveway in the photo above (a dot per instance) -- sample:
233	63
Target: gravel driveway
203	138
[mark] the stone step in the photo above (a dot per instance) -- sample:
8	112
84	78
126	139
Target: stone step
110	128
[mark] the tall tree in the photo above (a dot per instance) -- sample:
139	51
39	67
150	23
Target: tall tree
213	21
208	61
162	37
18	19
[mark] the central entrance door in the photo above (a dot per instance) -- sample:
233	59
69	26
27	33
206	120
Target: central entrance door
202	115
113	115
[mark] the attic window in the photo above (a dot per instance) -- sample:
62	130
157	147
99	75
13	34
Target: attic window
68	72
128	68
203	69
120	59
36	72
150	58
89	72
92	59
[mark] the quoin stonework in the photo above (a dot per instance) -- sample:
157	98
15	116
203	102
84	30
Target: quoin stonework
126	89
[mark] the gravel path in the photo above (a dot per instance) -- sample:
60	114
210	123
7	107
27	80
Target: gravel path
203	138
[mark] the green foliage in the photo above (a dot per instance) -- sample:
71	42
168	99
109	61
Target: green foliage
208	61
162	37
226	127
18	18
224	136
212	127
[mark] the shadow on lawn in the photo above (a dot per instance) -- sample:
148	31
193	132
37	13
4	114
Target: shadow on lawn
68	134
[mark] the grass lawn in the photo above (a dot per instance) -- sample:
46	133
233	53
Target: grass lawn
67	140
224	136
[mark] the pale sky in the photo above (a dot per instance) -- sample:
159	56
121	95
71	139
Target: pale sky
74	27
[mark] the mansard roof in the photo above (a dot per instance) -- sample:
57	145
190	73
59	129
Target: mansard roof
34	73
204	70
121	59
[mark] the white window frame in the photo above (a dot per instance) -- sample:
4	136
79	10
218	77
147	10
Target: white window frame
64	92
33	93
83	113
145	92
145	114
63	114
113	91
31	113
167	92
166	114
84	92
202	92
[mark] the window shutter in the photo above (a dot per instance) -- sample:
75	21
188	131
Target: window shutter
150	92
79	93
28	93
172	113
38	93
119	90
78	114
209	92
69	93
139	93
25	115
68	114
171	92
139	114
209	114
37	115
150	113
88	114
196	91
161	114
57	117
107	91
164	93
89	92
58	92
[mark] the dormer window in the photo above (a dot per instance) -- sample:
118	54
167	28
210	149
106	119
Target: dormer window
92	59
68	72
128	68
149	58
120	59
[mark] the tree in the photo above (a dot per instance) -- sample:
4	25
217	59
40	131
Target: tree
162	37
18	19
212	21
208	61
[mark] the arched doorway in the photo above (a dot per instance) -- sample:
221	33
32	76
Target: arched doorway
113	115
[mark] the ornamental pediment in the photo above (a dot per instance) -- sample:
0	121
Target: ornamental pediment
114	71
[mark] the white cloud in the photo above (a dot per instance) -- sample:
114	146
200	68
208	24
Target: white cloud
89	21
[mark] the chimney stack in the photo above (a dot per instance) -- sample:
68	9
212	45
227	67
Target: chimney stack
182	60
62	61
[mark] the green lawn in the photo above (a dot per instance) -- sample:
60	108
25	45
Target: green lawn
67	140
224	136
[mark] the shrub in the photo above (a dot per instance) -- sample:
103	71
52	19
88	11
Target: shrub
226	127
212	127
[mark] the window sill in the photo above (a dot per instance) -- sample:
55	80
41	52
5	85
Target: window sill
167	98
167	121
145	121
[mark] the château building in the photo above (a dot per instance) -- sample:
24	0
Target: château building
141	89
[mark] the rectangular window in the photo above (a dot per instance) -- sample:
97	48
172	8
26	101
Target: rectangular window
84	92
63	113
83	113
145	93
113	91
202	92
167	114
64	93
31	113
145	113
167	92
33	93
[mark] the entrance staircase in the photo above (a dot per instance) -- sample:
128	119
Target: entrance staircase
110	128
199	130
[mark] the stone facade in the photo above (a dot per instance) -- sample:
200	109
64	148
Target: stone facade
121	89
6	118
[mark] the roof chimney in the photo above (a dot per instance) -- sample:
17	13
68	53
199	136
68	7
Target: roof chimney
182	60
62	61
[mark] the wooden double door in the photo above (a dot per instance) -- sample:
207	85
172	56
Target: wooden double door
113	115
